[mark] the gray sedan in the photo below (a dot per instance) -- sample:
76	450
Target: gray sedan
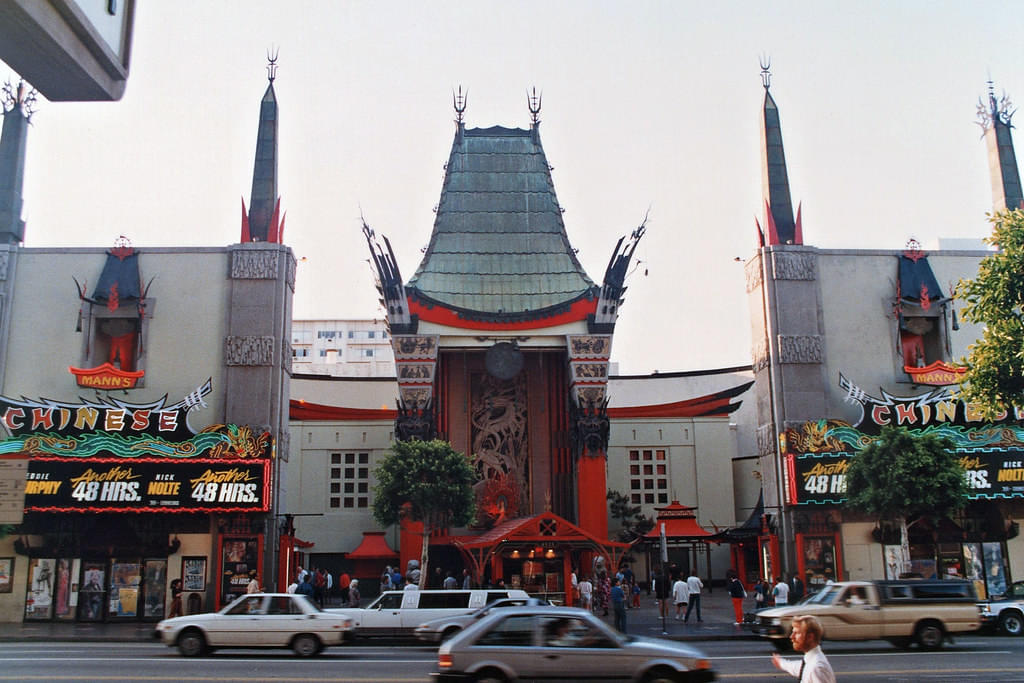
439	630
563	643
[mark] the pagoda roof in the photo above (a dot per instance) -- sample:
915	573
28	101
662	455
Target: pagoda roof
680	523
372	547
499	245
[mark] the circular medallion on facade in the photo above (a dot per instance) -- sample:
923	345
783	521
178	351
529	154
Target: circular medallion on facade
504	360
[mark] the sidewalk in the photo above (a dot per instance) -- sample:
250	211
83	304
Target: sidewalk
716	609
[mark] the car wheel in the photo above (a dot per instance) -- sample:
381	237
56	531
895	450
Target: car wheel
449	632
929	635
306	645
1011	622
662	676
490	676
191	643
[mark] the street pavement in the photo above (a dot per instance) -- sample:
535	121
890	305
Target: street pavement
716	611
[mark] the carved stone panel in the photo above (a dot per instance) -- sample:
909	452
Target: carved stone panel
413	346
415	372
759	355
252	350
793	265
583	372
290	275
254	264
417	397
765	440
800	348
590	346
752	272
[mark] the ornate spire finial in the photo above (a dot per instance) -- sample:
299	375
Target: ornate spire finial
1000	110
533	101
19	98
459	102
766	74
272	63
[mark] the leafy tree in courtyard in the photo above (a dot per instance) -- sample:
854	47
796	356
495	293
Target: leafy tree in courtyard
900	476
428	482
995	298
633	524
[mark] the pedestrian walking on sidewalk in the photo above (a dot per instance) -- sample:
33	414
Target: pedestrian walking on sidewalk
695	585
618	597
662	592
680	596
814	667
737	592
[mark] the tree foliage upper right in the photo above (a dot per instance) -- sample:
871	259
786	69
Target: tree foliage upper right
995	363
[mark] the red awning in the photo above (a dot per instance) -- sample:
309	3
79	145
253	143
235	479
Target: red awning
680	523
304	410
373	547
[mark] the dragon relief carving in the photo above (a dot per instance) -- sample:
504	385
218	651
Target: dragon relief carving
498	418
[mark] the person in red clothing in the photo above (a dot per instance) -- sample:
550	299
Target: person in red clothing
344	582
737	592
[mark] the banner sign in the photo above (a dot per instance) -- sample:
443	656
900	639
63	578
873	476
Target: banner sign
820	478
24	416
818	452
147	485
113	428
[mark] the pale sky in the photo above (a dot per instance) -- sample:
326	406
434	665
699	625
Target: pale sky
645	105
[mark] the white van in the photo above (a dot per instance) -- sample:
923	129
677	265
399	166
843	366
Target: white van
398	613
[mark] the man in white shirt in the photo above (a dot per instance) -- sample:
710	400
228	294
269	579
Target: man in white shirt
814	667
694	585
781	592
680	596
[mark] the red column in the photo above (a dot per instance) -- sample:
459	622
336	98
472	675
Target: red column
592	491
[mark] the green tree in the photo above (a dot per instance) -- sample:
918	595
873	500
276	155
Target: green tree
633	525
995	298
900	476
428	482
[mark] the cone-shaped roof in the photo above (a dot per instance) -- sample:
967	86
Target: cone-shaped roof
775	178
262	201
13	142
499	245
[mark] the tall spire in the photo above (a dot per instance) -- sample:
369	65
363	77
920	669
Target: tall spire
778	207
994	119
17	111
263	223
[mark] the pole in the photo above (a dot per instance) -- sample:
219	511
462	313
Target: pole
664	577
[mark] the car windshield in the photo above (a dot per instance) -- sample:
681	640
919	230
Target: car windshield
825	596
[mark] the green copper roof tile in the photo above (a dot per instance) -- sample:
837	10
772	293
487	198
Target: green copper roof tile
499	243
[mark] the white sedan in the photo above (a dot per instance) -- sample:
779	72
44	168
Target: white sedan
258	620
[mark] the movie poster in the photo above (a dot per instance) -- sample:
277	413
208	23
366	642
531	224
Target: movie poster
66	595
92	593
154	588
124	588
39	597
241	561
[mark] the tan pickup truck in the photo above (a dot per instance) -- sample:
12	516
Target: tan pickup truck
902	612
